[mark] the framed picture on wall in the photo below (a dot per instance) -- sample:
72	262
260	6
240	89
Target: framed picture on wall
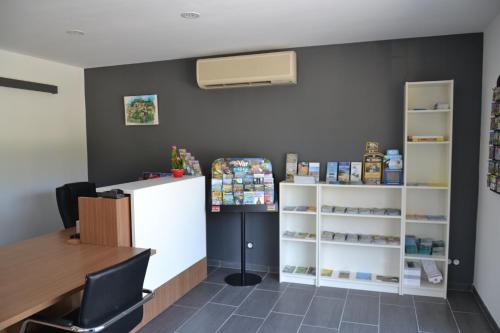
141	110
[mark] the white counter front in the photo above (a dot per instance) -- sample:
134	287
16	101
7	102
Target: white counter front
168	215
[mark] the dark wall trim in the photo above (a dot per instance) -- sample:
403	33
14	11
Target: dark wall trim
27	85
489	318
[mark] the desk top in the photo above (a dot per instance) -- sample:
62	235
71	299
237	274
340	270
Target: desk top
39	272
129	188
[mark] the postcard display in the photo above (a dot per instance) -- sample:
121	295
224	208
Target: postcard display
493	180
242	185
375	236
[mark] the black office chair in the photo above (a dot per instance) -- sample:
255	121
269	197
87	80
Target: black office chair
67	200
112	301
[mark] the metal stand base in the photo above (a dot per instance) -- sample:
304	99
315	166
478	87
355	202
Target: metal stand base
238	279
243	278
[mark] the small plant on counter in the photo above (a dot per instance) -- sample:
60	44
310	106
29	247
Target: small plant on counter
177	163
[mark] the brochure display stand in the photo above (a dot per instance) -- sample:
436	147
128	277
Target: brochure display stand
242	185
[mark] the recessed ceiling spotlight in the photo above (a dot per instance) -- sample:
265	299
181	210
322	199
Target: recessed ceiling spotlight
75	32
190	15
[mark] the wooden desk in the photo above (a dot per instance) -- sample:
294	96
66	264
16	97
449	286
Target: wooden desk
39	272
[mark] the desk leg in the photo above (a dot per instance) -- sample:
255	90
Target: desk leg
243	278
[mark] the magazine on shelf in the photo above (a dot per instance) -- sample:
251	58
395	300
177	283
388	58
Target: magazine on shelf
344	275
291	166
303	169
288	269
314	168
301	270
331	172
326	272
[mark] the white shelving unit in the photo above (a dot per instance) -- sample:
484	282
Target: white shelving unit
298	252
428	164
428	173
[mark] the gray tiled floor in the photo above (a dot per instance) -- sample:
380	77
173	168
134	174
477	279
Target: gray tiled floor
214	307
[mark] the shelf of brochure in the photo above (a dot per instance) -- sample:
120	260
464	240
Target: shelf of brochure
346	243
426	197
373	257
352	283
298	229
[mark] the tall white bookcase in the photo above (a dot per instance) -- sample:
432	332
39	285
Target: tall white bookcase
428	172
426	192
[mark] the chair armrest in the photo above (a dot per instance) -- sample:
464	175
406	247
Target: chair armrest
67	325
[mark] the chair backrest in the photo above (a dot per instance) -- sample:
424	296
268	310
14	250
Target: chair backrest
67	200
113	290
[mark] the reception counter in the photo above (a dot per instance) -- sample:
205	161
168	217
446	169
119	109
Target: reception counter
168	215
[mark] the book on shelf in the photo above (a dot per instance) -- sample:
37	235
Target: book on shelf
327	235
327	209
340	210
301	235
353	238
363	276
432	272
387	278
291	165
352	210
288	269
339	237
344	172
426	138
303	169
289	234
311	270
326	272
311	236
314	168
344	275
331	172
301	270
356	171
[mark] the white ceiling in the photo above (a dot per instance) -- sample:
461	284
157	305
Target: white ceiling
128	31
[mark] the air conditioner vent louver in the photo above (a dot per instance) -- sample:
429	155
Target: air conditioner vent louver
278	68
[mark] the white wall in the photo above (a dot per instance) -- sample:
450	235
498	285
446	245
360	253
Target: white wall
487	266
42	144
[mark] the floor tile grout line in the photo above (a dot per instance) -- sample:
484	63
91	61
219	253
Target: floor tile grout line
288	314
323	327
198	311
453	315
319	296
242	301
308	308
416	315
343	309
379	310
272	308
353	322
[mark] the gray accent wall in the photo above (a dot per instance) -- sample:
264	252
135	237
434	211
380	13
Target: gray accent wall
346	95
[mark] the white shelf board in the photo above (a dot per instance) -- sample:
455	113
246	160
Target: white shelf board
345	243
392	217
297	212
424	143
425	257
426	187
353	283
424	222
303	240
297	184
428	111
361	186
298	278
426	289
